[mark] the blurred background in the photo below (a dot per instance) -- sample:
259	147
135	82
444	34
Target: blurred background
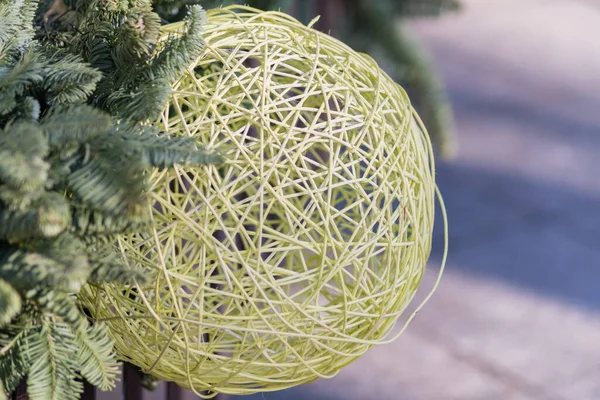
510	90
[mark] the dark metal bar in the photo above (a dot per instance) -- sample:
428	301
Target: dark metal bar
132	389
89	391
20	392
174	392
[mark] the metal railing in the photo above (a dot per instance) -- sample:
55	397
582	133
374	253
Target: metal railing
130	389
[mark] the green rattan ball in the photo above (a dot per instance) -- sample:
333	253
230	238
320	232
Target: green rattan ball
298	254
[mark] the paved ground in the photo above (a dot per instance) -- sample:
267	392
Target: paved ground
518	314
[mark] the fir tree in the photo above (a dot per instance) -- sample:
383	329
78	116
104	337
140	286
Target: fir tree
79	80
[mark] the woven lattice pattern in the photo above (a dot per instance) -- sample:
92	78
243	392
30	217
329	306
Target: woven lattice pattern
300	252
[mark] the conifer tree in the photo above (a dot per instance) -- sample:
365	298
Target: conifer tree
79	81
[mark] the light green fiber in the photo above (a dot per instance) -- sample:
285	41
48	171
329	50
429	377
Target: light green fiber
297	255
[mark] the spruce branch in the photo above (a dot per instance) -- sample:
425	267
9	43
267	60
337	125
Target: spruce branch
164	151
94	47
137	37
16	79
60	263
96	357
98	184
10	303
46	217
179	52
95	227
30	109
74	125
76	91
23	148
53	375
16	25
20	347
109	266
137	101
139	94
26	270
68	80
62	306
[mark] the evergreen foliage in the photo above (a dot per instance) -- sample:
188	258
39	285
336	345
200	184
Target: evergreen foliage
79	80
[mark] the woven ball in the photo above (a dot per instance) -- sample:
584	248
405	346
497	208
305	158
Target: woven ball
300	252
